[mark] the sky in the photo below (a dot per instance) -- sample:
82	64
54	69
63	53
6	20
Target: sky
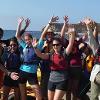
40	11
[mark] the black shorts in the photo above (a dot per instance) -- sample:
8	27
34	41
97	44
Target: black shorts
30	77
10	82
57	85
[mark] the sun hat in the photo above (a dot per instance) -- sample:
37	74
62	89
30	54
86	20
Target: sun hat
50	30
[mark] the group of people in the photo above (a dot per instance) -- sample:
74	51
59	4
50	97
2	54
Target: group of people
62	62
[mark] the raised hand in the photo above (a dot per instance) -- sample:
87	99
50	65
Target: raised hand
88	22
66	19
27	22
20	20
19	26
54	19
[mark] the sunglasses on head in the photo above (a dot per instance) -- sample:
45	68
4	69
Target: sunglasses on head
56	44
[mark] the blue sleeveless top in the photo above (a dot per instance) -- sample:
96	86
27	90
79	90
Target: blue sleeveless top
30	59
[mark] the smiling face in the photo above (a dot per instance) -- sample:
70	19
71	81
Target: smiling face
57	46
13	46
50	36
28	39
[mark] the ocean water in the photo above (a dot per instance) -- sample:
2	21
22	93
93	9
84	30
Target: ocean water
11	33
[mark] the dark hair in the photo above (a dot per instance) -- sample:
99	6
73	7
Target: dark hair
1	32
15	41
29	35
58	39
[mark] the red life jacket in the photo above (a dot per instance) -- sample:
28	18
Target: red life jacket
58	62
76	54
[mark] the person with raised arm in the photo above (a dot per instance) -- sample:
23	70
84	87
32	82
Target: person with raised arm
64	26
75	62
28	68
58	79
19	30
48	35
6	42
92	33
94	43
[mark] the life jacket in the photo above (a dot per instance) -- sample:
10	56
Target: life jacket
29	56
59	62
89	60
75	56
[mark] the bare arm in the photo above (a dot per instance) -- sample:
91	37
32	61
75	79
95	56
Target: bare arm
52	20
64	27
91	35
20	20
41	55
19	27
13	75
27	22
71	32
95	34
4	69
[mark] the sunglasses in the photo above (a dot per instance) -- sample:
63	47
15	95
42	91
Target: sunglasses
56	44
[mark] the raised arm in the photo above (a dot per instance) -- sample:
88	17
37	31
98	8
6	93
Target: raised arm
64	26
20	20
19	30
52	20
40	54
95	33
91	35
27	22
71	33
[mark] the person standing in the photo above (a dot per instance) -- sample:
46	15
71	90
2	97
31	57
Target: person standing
94	43
12	62
58	79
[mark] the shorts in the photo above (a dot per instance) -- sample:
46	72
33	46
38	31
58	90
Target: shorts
10	82
30	77
58	85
